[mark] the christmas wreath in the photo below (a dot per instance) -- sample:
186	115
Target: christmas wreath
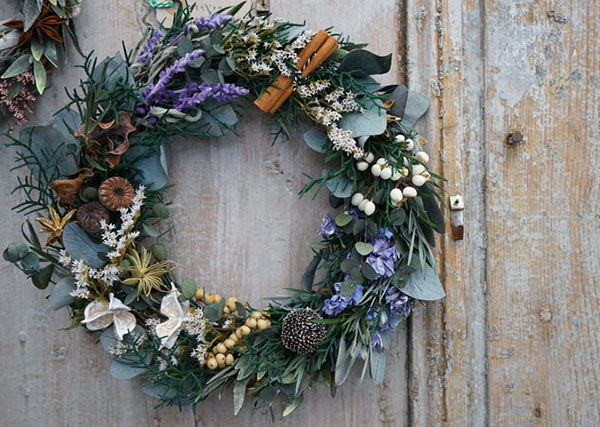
97	181
28	52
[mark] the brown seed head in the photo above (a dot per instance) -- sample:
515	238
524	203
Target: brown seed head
116	193
90	214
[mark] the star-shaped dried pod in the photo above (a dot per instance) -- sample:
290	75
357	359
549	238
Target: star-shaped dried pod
109	140
67	188
45	26
54	225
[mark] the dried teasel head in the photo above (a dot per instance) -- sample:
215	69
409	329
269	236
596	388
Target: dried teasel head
116	193
90	214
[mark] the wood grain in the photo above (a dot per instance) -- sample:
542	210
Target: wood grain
516	340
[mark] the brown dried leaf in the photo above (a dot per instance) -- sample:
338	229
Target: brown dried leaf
67	188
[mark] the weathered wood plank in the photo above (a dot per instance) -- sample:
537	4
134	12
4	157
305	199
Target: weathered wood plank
541	76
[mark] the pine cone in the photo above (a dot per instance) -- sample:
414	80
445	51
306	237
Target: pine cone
299	333
116	193
90	214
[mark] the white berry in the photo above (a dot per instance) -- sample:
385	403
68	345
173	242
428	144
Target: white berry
418	180
399	138
410	145
418	169
409	192
422	156
396	195
357	198
396	175
376	170
386	173
381	161
361	205
362	166
370	157
369	208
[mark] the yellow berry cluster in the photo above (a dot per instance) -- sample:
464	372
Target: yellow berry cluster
211	298
222	353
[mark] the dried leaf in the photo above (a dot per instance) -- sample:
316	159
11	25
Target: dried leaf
67	188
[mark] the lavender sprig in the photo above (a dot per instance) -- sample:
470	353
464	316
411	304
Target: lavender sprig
207	24
148	48
154	91
194	94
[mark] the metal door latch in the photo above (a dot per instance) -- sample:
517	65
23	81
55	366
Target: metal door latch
457	206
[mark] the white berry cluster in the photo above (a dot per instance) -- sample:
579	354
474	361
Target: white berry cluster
415	174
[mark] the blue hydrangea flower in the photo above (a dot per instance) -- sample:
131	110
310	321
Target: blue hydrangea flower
355	297
376	341
399	304
328	227
335	305
383	258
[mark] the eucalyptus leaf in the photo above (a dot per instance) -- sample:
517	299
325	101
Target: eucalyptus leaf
424	285
188	288
42	278
408	105
61	293
150	230
108	339
344	363
152	170
124	371
37	49
31	10
348	288
10	39
294	404
373	121
343	219
50	52
377	364
80	246
361	62
340	186
31	263
363	248
111	70
239	393
213	312
309	275
316	139
39	73
184	46
21	64
159	391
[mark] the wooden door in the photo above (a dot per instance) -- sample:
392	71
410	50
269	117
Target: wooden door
515	342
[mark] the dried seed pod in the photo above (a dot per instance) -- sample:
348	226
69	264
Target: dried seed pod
299	332
90	214
116	193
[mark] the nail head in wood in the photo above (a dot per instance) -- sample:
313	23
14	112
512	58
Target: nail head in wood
263	6
514	138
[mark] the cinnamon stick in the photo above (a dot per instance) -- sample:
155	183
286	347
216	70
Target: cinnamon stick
319	49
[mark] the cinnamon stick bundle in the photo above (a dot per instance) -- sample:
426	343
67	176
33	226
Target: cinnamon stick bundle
316	51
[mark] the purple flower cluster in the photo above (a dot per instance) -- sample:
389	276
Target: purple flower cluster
328	227
208	23
194	94
384	256
399	304
148	48
154	93
338	303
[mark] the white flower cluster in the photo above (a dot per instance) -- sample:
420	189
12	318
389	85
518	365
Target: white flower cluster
122	348
281	58
120	240
83	274
199	353
313	88
196	324
342	140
